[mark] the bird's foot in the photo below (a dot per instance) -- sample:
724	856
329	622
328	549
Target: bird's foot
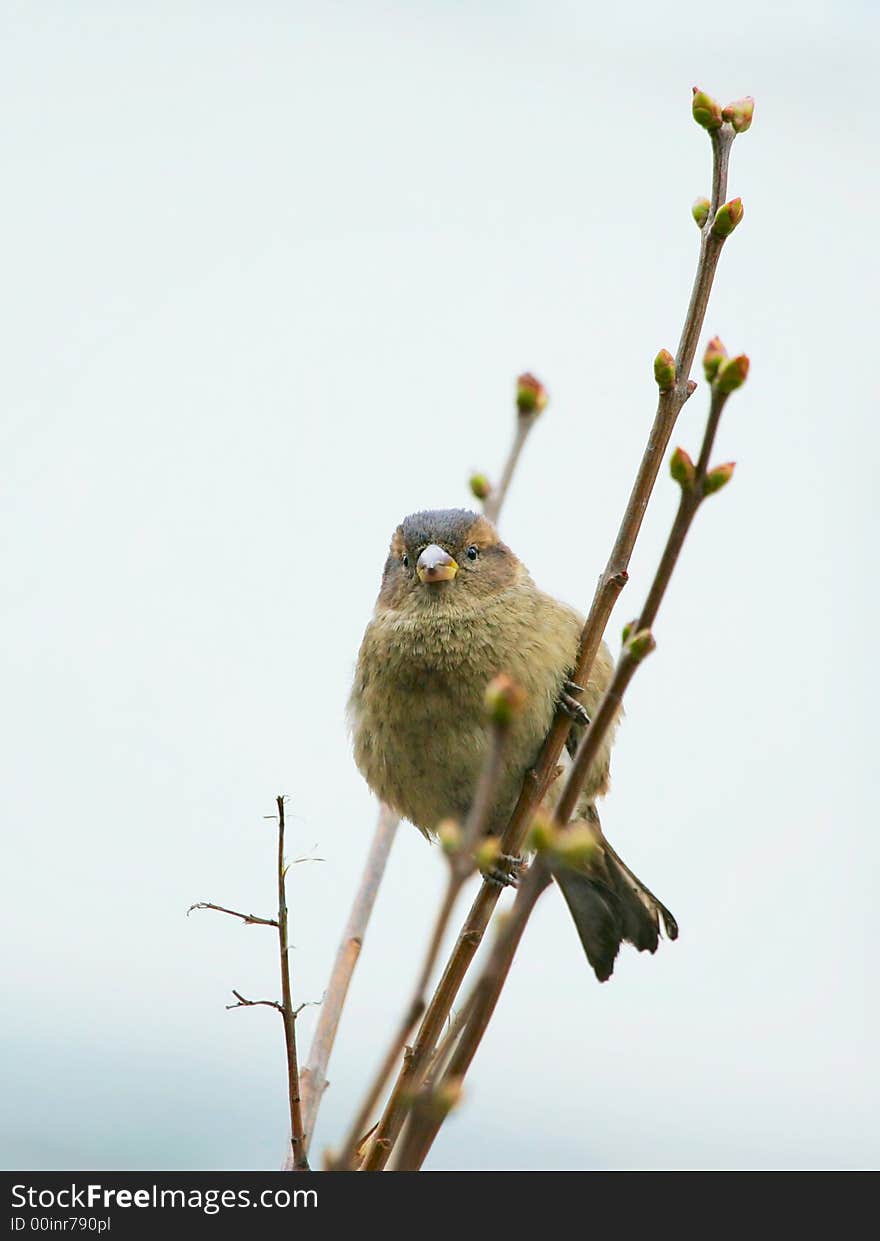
569	704
505	872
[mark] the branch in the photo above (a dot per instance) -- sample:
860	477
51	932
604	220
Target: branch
313	1081
434	1103
288	1016
531	400
243	1003
696	482
503	700
250	919
610	584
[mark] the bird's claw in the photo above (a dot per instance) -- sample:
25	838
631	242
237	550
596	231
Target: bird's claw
505	872
568	704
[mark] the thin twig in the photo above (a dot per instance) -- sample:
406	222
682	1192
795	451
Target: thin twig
243	1003
250	919
313	1079
288	1016
608	589
426	1117
427	1120
493	502
461	867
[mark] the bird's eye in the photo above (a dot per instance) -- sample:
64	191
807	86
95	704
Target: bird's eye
472	553
406	562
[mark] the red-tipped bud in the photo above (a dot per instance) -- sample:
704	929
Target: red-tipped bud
718	477
682	468
664	370
706	110
727	218
504	700
713	357
700	211
480	486
740	113
732	374
639	645
531	395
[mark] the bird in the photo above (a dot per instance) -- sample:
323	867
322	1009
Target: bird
456	607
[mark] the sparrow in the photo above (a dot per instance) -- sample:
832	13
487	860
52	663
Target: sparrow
457	607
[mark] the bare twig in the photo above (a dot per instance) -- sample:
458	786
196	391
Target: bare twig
298	1159
243	1003
250	919
493	502
428	1113
608	589
297	1136
461	866
313	1079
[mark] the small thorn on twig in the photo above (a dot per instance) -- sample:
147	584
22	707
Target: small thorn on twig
245	1003
250	918
308	1004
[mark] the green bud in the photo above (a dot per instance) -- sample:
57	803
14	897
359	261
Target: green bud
504	700
640	645
713	357
664	370
682	469
575	845
449	836
732	374
628	630
531	395
718	477
443	1098
707	112
740	113
480	486
727	218
488	852
700	211
542	833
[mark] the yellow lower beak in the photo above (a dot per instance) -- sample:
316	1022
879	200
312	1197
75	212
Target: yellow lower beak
438	573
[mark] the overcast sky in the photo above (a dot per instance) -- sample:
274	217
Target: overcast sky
270	272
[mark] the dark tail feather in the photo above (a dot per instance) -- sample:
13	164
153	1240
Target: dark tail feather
610	904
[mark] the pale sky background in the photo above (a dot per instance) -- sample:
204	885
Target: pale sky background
270	271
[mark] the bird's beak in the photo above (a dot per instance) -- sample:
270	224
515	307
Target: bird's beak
436	565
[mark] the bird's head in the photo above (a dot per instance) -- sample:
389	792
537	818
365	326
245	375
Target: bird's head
446	560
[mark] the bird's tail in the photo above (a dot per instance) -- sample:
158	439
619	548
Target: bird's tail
610	904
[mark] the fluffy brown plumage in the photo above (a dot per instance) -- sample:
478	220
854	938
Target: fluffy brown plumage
455	608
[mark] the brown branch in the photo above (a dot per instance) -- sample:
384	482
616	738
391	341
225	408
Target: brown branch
243	1003
493	502
429	1112
429	1116
608	589
313	1081
461	866
288	1016
250	919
